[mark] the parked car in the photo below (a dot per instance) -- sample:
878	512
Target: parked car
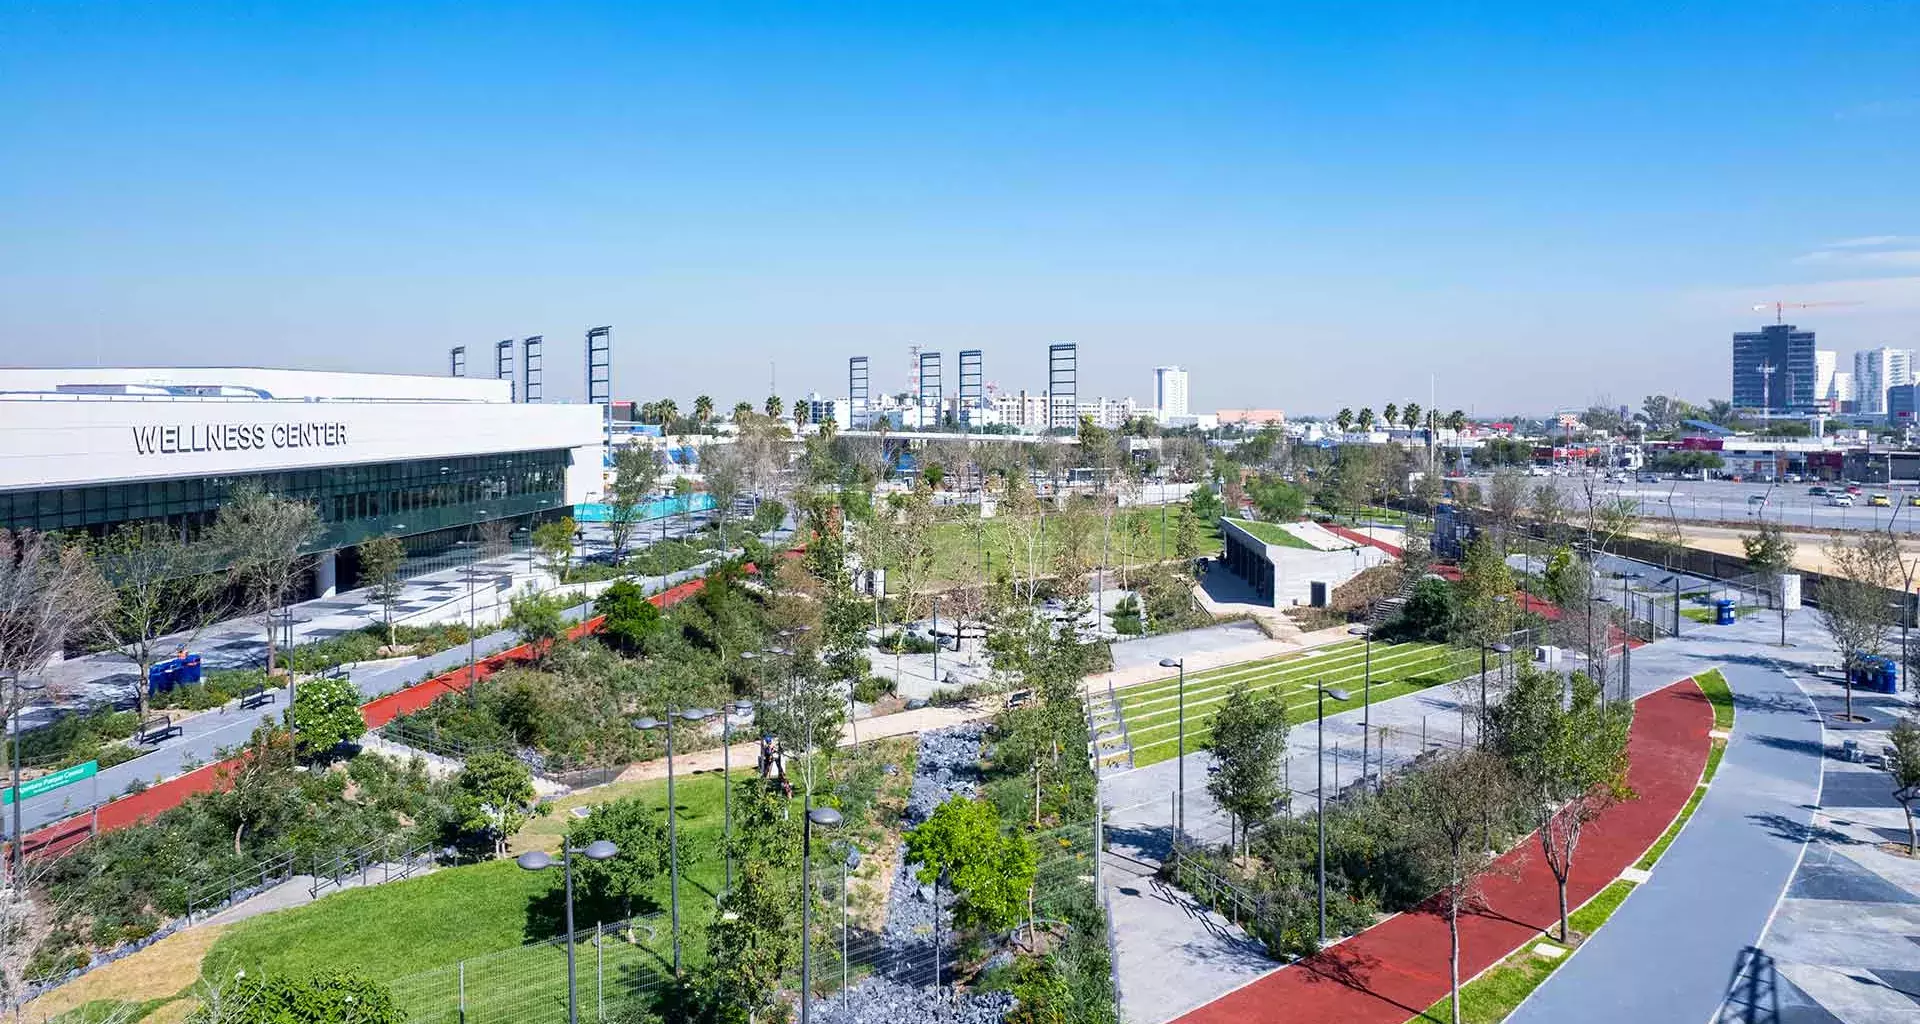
1817	491
1879	501
1853	488
1913	500
1648	478
1757	499
1792	478
1840	500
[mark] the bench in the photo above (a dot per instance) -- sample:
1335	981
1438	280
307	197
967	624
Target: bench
256	695
157	728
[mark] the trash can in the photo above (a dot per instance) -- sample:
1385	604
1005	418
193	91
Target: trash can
1887	680
1723	612
190	669
156	678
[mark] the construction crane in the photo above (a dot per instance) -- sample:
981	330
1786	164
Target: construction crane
1780	308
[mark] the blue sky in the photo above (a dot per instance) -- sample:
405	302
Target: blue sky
1308	205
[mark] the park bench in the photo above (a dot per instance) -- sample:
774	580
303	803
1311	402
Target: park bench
256	695
157	728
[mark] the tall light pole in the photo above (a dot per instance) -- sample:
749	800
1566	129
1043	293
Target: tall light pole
738	707
936	640
1366	699
540	860
1320	791
825	817
19	837
1180	802
673	835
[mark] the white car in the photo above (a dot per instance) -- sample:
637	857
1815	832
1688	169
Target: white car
1840	500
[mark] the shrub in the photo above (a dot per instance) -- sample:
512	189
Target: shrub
904	641
873	688
1126	616
332	997
76	739
326	713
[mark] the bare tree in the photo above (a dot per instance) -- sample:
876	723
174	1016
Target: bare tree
1447	806
51	595
1857	606
1505	494
263	538
636	473
381	559
722	466
1770	554
166	593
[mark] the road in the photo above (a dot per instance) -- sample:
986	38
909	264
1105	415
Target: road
1725	501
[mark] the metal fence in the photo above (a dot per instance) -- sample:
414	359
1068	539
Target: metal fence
389	859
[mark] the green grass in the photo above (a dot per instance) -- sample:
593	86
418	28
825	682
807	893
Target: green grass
957	556
1152	709
1714	754
1272	533
1495	993
1714	685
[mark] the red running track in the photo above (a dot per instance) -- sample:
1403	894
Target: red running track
1396	969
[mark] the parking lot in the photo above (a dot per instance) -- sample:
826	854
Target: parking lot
1725	501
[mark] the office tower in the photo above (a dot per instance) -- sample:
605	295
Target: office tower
1876	370
1774	370
1169	392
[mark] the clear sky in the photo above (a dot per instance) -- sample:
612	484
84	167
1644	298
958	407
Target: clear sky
1307	205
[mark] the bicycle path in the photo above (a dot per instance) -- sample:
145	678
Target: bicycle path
1398	968
1669	950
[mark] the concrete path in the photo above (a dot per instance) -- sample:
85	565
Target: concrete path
1172	954
1669	950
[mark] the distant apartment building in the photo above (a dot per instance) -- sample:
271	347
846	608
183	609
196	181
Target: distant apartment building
1108	413
1839	396
1825	363
1775	370
1029	410
1169	392
1874	372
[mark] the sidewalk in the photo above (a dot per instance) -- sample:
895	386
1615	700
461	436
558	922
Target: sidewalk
1398	968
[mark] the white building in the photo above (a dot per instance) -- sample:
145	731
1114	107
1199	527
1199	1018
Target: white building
1839	390
1169	392
422	458
1876	370
1109	413
1824	364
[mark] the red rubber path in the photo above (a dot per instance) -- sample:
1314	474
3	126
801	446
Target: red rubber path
1396	969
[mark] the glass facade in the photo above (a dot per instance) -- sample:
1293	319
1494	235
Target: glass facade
414	497
1774	368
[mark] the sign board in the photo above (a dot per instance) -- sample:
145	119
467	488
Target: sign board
47	783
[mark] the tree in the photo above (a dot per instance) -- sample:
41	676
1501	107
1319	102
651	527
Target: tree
263	538
1568	755
800	409
741	410
1365	419
1390	415
1344	419
1855	599
1456	420
1249	738
1483	608
633	827
989	869
629	618
555	543
753	942
380	562
259	787
538	619
495	794
327	997
1903	766
725	475
703	410
683	491
636	472
1505	494
1446	808
1549	511
164	594
773	407
1277	500
326	713
669	412
1770	554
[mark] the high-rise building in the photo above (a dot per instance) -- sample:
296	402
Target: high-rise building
1874	371
1825	363
1839	396
1774	369
1169	392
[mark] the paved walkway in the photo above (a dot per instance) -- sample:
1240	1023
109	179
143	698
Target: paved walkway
1171	953
1667	953
1398	968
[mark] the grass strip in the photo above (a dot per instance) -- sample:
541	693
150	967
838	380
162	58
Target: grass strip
1272	533
1409	665
1499	989
1714	685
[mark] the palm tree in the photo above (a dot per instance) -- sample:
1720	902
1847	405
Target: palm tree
1344	420
1411	415
1390	415
647	412
1366	418
773	406
1457	420
799	413
703	409
669	411
742	409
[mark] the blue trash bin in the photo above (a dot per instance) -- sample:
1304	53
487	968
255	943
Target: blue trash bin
1887	680
1723	612
156	678
190	669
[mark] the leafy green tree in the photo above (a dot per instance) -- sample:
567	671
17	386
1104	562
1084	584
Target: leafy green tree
1770	554
327	997
325	714
1365	419
630	619
1427	613
380	561
1446	808
636	472
1568	756
555	543
703	409
263	538
495	794
1205	504
539	620
751	945
1903	768
1249	738
636	829
1854	606
1277	500
1344	419
989	869
1483	607
164	596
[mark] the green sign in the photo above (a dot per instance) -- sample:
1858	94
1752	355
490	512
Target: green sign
47	783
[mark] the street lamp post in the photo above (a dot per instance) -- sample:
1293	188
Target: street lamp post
825	817
739	707
473	624
673	836
1180	802
1320	792
540	860
1366	699
14	742
936	640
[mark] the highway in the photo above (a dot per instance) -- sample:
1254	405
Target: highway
1724	501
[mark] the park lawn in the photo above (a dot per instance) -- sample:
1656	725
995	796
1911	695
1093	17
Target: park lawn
957	555
1272	533
1499	989
1152	710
